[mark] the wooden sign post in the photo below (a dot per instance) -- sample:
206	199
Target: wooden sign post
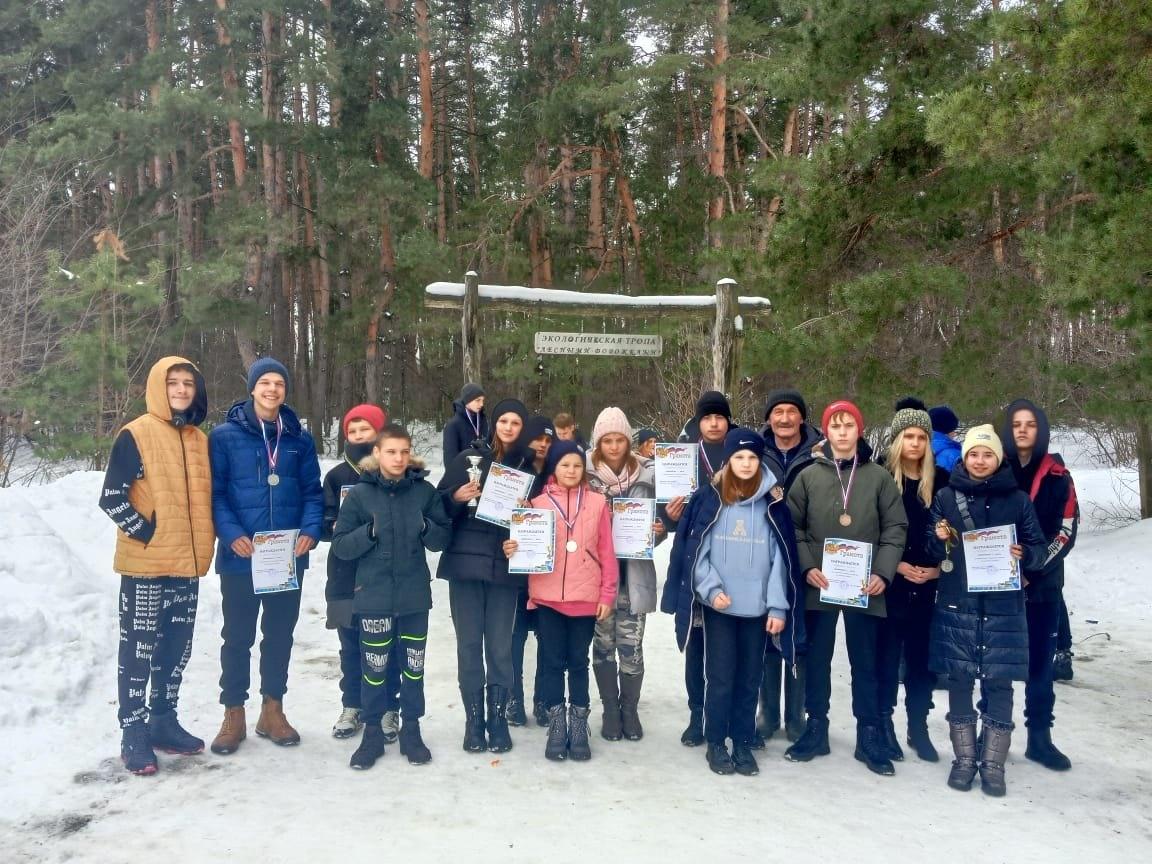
727	309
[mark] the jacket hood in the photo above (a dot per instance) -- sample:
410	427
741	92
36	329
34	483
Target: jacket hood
371	468
1001	482
156	394
460	408
1043	433
243	414
823	451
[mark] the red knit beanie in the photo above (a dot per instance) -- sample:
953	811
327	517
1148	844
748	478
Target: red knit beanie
846	407
371	414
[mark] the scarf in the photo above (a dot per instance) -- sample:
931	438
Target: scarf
616	485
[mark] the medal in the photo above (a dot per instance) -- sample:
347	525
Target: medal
846	492
946	565
570	524
273	453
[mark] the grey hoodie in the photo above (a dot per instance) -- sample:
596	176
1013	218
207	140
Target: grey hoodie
739	555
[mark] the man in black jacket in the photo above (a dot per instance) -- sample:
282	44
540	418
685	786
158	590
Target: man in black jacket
789	439
1043	476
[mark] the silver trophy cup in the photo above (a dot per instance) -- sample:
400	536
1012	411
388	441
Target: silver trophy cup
474	475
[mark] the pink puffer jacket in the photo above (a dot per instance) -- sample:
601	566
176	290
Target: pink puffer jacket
587	576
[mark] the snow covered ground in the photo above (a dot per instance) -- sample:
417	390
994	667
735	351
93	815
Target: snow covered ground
65	797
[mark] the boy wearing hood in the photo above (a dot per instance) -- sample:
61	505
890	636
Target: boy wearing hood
387	521
158	491
469	423
265	477
1045	479
361	425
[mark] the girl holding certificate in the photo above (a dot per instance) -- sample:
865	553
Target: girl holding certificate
734	560
617	649
850	532
482	594
579	591
911	597
981	634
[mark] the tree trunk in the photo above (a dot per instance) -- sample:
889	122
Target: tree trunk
470	96
717	128
424	74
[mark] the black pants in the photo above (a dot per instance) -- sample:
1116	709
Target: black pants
1039	693
525	621
392	642
350	670
242	607
860	632
906	636
995	698
564	642
733	669
483	614
157	617
694	666
1064	630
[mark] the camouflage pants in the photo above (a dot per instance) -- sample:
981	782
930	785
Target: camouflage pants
619	638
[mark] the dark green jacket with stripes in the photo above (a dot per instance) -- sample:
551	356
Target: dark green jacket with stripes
385	526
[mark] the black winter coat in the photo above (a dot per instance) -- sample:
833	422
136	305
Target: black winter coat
460	432
903	598
407	516
476	551
981	635
1047	482
341	583
784	466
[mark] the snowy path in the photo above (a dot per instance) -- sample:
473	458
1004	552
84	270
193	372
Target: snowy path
64	796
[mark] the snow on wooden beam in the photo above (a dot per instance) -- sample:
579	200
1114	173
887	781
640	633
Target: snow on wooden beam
450	295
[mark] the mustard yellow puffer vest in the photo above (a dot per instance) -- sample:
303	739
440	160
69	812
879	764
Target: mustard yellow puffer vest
176	490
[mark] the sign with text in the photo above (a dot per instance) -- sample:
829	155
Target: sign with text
600	344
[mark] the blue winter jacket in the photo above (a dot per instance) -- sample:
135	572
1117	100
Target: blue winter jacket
243	502
699	515
945	451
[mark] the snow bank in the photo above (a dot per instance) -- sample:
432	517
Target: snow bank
559	297
64	796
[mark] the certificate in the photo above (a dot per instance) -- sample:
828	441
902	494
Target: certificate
632	527
535	534
274	561
503	491
988	560
676	471
847	565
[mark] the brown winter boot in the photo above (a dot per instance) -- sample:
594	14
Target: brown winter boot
274	726
233	730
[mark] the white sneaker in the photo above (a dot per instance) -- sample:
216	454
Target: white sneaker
390	723
348	724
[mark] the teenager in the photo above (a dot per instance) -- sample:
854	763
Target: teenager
1043	477
571	598
788	442
469	423
845	495
708	426
911	598
618	646
981	636
945	447
646	440
158	491
265	477
361	425
734	558
565	426
387	521
482	593
539	433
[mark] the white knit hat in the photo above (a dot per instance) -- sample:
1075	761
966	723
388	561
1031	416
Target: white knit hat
983	436
611	419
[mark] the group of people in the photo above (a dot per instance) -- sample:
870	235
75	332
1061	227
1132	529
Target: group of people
744	582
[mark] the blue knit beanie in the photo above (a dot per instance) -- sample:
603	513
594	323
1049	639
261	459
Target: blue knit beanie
265	365
558	451
742	439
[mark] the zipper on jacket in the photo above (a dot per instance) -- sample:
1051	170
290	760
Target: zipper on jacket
788	556
695	557
188	498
